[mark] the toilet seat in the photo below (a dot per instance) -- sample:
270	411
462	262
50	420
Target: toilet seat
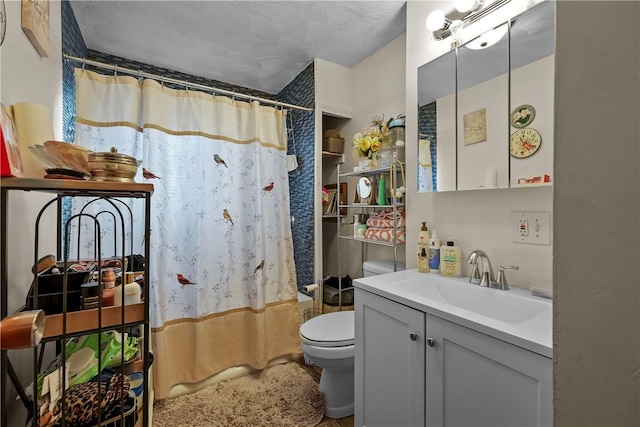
329	330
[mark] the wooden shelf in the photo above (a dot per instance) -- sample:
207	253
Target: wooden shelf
72	186
87	320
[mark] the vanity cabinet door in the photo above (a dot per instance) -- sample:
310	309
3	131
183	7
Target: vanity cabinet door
476	380
389	362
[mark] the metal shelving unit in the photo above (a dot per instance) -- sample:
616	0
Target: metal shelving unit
395	205
60	327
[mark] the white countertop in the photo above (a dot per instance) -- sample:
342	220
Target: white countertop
514	316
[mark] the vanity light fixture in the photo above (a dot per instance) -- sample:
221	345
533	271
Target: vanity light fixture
466	12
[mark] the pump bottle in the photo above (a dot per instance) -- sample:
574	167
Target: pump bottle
423	249
450	260
434	253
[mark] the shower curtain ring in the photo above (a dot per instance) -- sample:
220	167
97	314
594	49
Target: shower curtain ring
83	64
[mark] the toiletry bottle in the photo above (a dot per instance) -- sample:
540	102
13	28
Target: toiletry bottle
450	262
382	184
356	223
423	249
434	253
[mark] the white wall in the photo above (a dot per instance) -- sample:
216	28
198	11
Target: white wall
28	78
477	219
596	211
377	88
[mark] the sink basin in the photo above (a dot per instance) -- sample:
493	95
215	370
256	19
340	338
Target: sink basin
513	306
513	316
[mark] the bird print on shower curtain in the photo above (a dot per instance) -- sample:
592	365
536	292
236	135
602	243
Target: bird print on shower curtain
259	267
269	187
149	175
184	281
219	160
227	216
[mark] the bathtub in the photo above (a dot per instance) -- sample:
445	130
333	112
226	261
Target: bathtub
304	302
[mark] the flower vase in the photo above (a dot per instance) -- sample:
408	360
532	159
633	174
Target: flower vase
374	162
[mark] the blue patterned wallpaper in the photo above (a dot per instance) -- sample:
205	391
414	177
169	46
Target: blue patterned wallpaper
72	44
427	128
299	91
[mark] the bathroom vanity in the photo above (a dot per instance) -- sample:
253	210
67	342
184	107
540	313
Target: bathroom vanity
439	351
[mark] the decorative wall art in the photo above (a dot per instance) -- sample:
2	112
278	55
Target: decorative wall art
35	24
10	160
475	126
523	116
3	21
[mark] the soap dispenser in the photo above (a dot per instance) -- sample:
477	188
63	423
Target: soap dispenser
434	253
423	249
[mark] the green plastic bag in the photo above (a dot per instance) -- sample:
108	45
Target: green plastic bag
111	346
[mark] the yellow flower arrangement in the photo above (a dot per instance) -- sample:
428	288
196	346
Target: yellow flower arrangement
366	144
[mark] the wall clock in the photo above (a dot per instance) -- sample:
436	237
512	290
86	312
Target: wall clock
3	22
524	143
522	116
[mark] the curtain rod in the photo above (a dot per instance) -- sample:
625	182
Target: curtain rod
185	83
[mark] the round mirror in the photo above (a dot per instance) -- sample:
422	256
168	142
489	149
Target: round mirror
364	189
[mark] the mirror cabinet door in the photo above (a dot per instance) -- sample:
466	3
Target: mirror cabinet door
483	105
436	124
532	93
485	110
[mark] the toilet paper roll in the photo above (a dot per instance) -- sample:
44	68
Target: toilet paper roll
310	288
490	178
33	126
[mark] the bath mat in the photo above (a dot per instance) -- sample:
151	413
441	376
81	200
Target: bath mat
282	395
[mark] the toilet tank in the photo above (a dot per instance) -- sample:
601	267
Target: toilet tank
374	267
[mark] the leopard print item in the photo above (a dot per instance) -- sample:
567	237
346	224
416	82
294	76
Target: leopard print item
81	407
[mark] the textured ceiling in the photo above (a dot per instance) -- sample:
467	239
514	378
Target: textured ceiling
261	45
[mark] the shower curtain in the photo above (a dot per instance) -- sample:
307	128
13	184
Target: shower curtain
222	276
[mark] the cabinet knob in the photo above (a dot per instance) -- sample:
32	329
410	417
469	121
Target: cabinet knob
431	342
413	336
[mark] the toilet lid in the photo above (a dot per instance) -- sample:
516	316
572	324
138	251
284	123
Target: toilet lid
329	330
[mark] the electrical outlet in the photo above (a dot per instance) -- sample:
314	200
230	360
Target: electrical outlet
523	226
531	227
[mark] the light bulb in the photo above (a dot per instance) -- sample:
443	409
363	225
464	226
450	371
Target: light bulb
464	6
488	39
435	20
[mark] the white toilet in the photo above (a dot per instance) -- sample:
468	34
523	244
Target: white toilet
328	342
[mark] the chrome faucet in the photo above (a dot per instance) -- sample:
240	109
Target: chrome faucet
484	277
501	280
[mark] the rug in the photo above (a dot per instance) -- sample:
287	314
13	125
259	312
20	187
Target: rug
282	395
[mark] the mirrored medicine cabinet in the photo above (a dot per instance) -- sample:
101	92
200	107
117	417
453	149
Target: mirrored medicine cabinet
485	108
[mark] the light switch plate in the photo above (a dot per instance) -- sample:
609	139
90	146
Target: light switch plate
532	228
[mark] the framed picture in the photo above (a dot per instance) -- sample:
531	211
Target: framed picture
10	160
35	24
475	126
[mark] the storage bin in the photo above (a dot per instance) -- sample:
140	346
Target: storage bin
50	287
333	144
386	156
392	136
